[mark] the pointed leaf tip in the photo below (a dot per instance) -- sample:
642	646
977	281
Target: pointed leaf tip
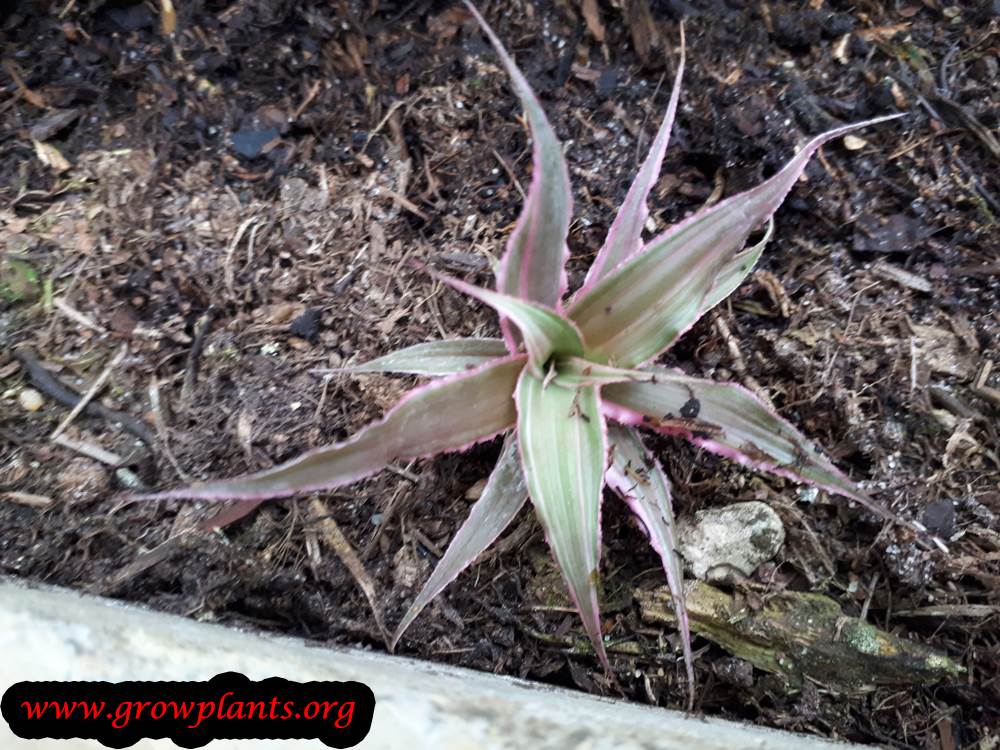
625	236
533	266
503	498
431	419
563	449
730	421
642	307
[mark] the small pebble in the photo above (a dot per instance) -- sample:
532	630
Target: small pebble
853	143
30	399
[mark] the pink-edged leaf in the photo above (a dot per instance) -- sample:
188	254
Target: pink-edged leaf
625	236
504	496
640	309
729	420
533	268
735	271
445	415
639	480
433	358
544	330
563	451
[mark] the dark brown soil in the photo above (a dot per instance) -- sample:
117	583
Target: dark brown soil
268	176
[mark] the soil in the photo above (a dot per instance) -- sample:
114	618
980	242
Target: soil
240	202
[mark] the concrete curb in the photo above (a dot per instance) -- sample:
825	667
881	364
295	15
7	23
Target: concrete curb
57	634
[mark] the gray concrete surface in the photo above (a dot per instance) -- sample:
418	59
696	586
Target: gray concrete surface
52	634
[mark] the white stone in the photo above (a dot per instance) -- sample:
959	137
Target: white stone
30	399
737	538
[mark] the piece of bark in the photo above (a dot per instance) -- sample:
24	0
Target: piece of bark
799	635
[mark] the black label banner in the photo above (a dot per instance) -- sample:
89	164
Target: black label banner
191	714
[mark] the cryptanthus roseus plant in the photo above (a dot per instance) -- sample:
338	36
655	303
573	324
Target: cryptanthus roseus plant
572	382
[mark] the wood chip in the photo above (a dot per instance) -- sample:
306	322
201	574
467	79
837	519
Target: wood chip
904	278
26	498
50	156
168	17
92	450
854	143
642	28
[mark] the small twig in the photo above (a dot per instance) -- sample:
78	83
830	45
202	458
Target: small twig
387	516
26	498
32	97
942	398
510	172
161	427
91	392
868	599
73	314
340	544
229	275
431	547
91	450
395	105
404	473
981	389
310	95
776	291
739	364
406	203
194	355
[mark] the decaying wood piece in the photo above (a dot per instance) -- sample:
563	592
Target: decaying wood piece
801	635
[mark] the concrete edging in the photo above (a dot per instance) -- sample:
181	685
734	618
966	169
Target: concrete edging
58	634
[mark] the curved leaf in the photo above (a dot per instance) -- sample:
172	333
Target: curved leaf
433	358
445	415
563	450
640	309
625	236
504	496
545	331
639	480
729	420
733	272
533	266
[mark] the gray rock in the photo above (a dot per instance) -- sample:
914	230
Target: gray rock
737	538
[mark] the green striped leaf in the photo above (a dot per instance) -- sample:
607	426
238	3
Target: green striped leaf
545	331
576	372
433	358
432	419
533	266
735	271
504	496
639	480
729	420
639	310
563	450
